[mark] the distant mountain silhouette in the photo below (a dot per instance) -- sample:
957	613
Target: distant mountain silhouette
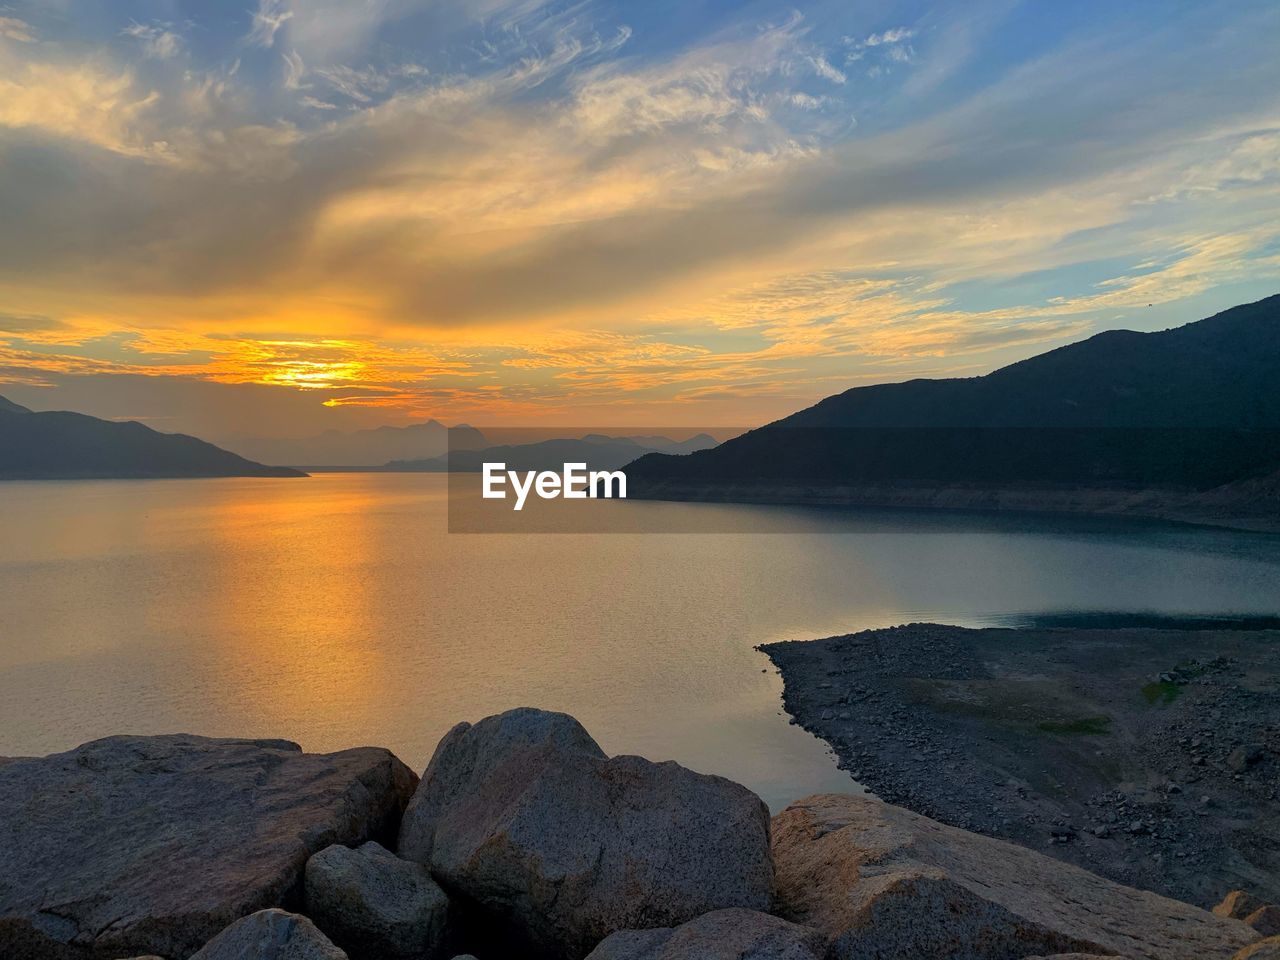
597	451
64	445
359	448
1193	407
701	441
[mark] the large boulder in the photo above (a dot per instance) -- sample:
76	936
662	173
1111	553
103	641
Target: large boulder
1238	904
733	934
270	935
525	817
1268	949
1266	920
135	845
884	883
375	905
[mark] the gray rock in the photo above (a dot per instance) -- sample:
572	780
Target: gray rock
1238	904
135	845
733	934
1266	920
375	905
1268	949
270	935
1244	757
524	815
883	882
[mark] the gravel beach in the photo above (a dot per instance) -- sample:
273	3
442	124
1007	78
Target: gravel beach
1150	756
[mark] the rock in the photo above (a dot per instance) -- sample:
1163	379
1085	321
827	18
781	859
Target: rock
721	935
270	935
523	815
1238	904
134	845
1244	757
883	882
1268	949
375	905
1266	920
1077	956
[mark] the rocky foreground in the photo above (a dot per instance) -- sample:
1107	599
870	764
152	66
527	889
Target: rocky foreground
1150	756
523	839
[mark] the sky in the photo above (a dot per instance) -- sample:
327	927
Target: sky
275	217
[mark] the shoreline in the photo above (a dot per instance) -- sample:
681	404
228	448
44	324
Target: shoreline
1216	508
1150	756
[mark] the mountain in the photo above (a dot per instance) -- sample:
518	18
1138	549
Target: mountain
360	448
1192	409
63	445
701	441
597	451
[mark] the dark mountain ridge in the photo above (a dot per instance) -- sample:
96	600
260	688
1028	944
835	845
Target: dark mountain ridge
1218	372
1191	408
60	445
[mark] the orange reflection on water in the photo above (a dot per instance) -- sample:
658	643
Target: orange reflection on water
301	570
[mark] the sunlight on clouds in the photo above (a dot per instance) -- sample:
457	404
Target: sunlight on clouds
85	102
547	207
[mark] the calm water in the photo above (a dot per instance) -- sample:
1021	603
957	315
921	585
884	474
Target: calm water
337	611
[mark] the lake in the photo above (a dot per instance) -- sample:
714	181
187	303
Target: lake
338	611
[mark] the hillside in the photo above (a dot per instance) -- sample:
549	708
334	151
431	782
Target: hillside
1188	410
64	445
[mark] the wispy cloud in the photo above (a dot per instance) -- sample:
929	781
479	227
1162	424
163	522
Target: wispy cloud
294	70
11	28
159	41
267	20
827	71
890	37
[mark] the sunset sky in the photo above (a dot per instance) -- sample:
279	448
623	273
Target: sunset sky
278	216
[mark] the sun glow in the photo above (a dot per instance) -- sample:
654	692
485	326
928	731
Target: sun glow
528	215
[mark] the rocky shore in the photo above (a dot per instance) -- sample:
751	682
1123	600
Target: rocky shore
524	839
1149	756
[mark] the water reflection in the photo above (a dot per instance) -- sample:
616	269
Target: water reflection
337	611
